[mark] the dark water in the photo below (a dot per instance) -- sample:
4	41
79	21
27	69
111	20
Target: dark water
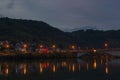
67	69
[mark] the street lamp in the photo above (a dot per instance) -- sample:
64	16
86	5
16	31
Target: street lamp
7	46
94	50
25	46
73	46
41	46
106	46
53	46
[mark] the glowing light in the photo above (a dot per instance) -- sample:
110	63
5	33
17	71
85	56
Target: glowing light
101	61
41	69
54	68
94	50
54	46
25	45
73	67
87	66
25	70
45	65
7	46
7	70
106	70
95	64
105	44
41	46
73	46
45	50
64	64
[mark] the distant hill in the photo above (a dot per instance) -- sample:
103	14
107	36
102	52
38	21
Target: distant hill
97	38
41	32
81	28
29	30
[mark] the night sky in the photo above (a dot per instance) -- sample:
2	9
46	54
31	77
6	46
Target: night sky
66	14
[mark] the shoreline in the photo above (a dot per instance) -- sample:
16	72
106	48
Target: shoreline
45	56
30	56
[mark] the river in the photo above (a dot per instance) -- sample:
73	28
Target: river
61	69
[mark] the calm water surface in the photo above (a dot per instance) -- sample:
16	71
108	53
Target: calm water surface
67	69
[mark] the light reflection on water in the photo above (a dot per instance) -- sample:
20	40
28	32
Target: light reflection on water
94	64
60	70
106	69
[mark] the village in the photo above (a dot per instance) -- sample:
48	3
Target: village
26	47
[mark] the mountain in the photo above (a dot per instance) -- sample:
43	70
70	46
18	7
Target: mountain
29	30
40	32
81	28
97	38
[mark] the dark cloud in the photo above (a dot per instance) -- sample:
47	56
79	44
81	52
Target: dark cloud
104	14
11	4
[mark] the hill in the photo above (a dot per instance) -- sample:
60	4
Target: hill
40	32
97	38
29	30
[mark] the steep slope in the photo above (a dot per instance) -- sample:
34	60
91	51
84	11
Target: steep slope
17	29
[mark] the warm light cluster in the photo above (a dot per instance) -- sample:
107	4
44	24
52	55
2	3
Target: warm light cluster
106	45
41	46
95	64
94	50
73	46
25	70
7	46
25	45
54	46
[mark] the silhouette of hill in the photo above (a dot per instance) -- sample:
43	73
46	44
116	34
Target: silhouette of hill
97	38
29	30
41	32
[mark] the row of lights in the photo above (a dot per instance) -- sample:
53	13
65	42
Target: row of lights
41	46
53	46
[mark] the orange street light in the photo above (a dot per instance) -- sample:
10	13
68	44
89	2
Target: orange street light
7	46
94	50
54	46
73	46
41	46
95	64
25	45
106	45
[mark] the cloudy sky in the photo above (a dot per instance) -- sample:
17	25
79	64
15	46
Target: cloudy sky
66	14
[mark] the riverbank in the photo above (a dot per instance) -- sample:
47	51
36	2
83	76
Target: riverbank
32	56
39	56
